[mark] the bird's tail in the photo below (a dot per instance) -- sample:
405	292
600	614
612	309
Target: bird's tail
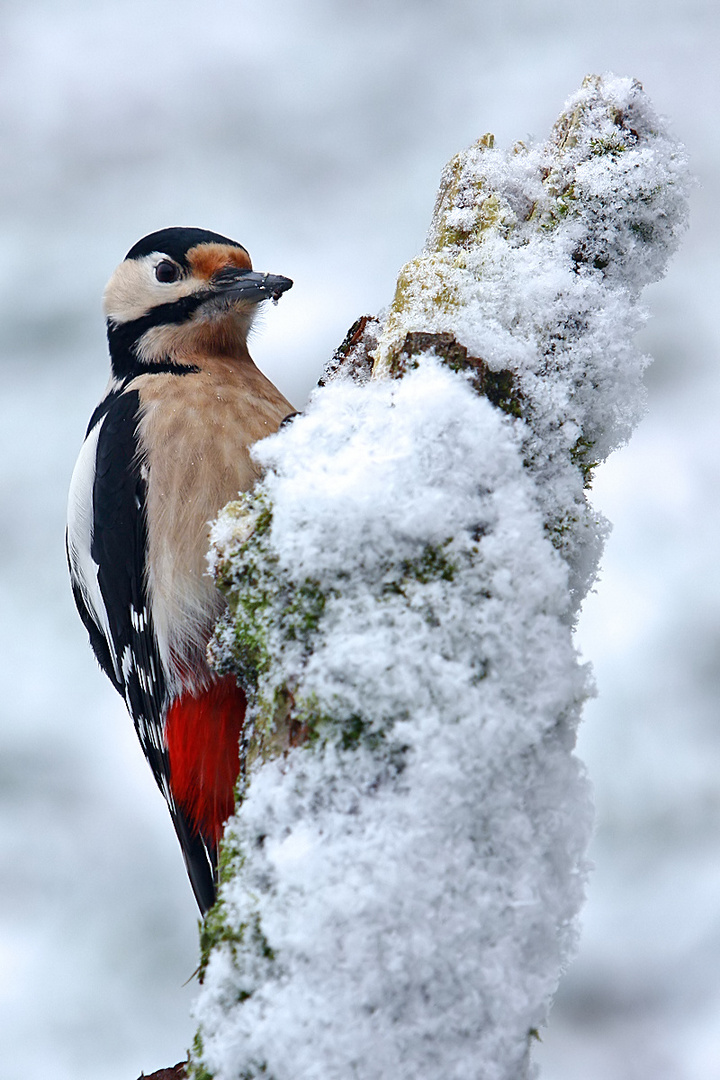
203	740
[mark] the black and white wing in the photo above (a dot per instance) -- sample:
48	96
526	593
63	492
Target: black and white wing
107	551
107	555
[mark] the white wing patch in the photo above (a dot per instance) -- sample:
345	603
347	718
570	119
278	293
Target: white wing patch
80	516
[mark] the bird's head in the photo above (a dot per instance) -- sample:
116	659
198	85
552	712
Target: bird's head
182	293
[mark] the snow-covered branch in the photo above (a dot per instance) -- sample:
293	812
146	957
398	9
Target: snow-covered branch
402	876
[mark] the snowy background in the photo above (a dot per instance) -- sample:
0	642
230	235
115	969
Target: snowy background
315	133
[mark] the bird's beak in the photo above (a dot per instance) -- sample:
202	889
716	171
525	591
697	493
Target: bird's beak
234	283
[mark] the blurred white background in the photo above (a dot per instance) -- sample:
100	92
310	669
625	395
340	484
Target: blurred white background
314	132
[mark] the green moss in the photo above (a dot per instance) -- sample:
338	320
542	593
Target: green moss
249	580
247	937
304	611
432	565
250	648
355	730
270	617
611	145
217	928
563	202
348	731
580	456
500	388
196	1070
231	858
213	929
281	719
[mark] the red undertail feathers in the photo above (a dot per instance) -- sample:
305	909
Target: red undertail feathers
203	739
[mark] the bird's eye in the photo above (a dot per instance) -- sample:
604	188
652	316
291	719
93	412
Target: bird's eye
165	271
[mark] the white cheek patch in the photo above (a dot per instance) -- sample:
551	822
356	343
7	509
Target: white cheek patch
83	568
133	290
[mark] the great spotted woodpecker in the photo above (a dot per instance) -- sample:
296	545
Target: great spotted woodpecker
165	449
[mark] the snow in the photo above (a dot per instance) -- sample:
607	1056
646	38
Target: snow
404	887
315	134
417	898
550	248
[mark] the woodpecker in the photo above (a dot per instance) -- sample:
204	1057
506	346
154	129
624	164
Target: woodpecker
166	448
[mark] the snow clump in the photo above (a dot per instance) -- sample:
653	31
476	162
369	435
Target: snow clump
401	880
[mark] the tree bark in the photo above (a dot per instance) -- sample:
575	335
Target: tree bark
401	882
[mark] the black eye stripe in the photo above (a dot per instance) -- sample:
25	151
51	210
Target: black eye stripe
166	271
